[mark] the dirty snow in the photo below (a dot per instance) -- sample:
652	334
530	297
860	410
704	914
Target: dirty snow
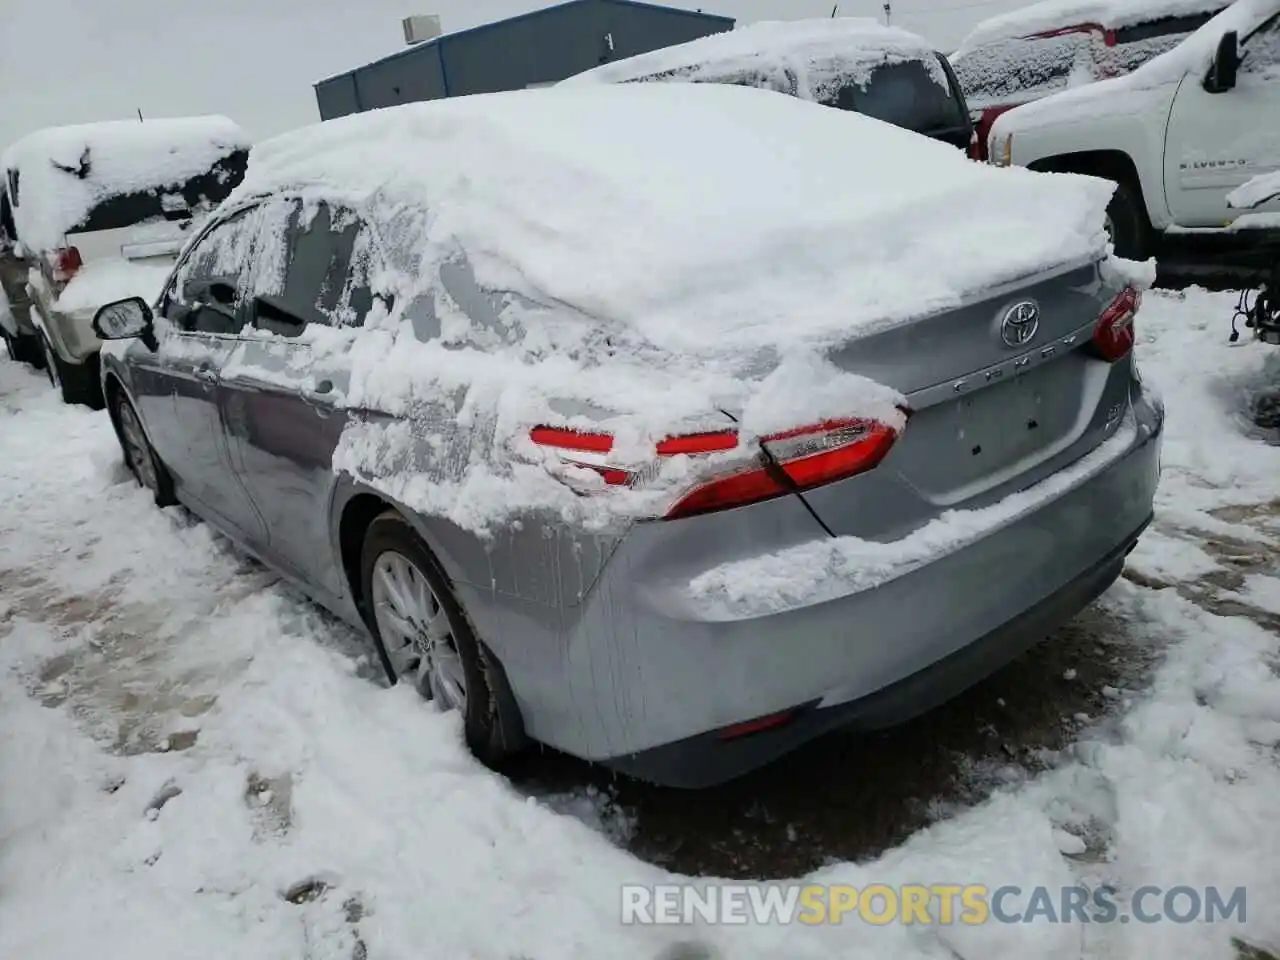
123	156
821	56
202	770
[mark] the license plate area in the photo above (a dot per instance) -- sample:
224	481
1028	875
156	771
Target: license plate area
956	445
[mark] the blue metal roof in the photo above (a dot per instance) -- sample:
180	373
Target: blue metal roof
481	28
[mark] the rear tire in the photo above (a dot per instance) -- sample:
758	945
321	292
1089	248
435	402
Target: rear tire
77	382
491	718
1127	223
139	457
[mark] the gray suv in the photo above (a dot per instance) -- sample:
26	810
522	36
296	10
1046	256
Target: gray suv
377	369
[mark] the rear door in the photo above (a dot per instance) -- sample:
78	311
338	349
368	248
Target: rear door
281	398
1216	142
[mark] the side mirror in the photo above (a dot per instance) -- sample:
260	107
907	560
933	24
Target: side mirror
125	320
1226	63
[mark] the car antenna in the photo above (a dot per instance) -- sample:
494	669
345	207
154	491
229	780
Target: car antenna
834	10
140	120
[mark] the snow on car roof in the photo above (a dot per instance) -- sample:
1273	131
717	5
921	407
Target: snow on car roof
1057	14
814	50
1192	55
692	213
63	172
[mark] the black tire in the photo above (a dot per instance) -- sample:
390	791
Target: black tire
1129	227
77	382
143	462
493	726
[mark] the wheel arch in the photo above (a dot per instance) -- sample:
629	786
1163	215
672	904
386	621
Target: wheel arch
356	505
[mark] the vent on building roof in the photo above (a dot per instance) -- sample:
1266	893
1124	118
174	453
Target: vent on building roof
421	28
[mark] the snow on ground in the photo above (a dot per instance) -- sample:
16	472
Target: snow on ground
195	763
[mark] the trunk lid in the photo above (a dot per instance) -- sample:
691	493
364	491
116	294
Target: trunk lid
1003	391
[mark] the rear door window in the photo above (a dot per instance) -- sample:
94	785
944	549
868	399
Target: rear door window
322	268
175	201
907	94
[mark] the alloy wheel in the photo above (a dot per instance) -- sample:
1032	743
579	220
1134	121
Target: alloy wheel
136	448
416	631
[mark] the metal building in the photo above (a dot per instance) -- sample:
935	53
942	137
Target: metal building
536	48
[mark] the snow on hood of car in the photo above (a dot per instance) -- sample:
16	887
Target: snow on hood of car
1059	14
1193	55
1255	192
636	259
115	157
822	55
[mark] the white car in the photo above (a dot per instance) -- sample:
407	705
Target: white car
1176	135
100	211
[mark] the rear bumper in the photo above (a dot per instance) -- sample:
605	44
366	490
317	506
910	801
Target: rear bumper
70	334
707	759
651	676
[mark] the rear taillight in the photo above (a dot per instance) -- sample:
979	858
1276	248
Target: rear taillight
736	474
66	263
1113	334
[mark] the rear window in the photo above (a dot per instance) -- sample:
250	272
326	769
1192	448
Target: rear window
166	201
1009	68
906	93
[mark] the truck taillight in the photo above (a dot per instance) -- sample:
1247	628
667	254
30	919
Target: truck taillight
66	263
737	475
1113	334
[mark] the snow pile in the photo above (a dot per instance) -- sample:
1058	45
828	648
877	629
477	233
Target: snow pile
636	258
1057	14
1256	192
1193	55
811	59
64	172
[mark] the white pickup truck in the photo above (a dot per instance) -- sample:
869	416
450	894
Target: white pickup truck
1177	136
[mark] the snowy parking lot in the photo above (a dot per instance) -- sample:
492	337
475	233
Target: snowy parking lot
196	762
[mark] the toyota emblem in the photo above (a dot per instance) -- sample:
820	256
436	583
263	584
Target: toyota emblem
1020	323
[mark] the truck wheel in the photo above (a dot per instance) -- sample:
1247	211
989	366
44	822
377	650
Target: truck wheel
77	382
1127	224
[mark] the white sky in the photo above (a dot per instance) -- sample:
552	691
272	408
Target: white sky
73	61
